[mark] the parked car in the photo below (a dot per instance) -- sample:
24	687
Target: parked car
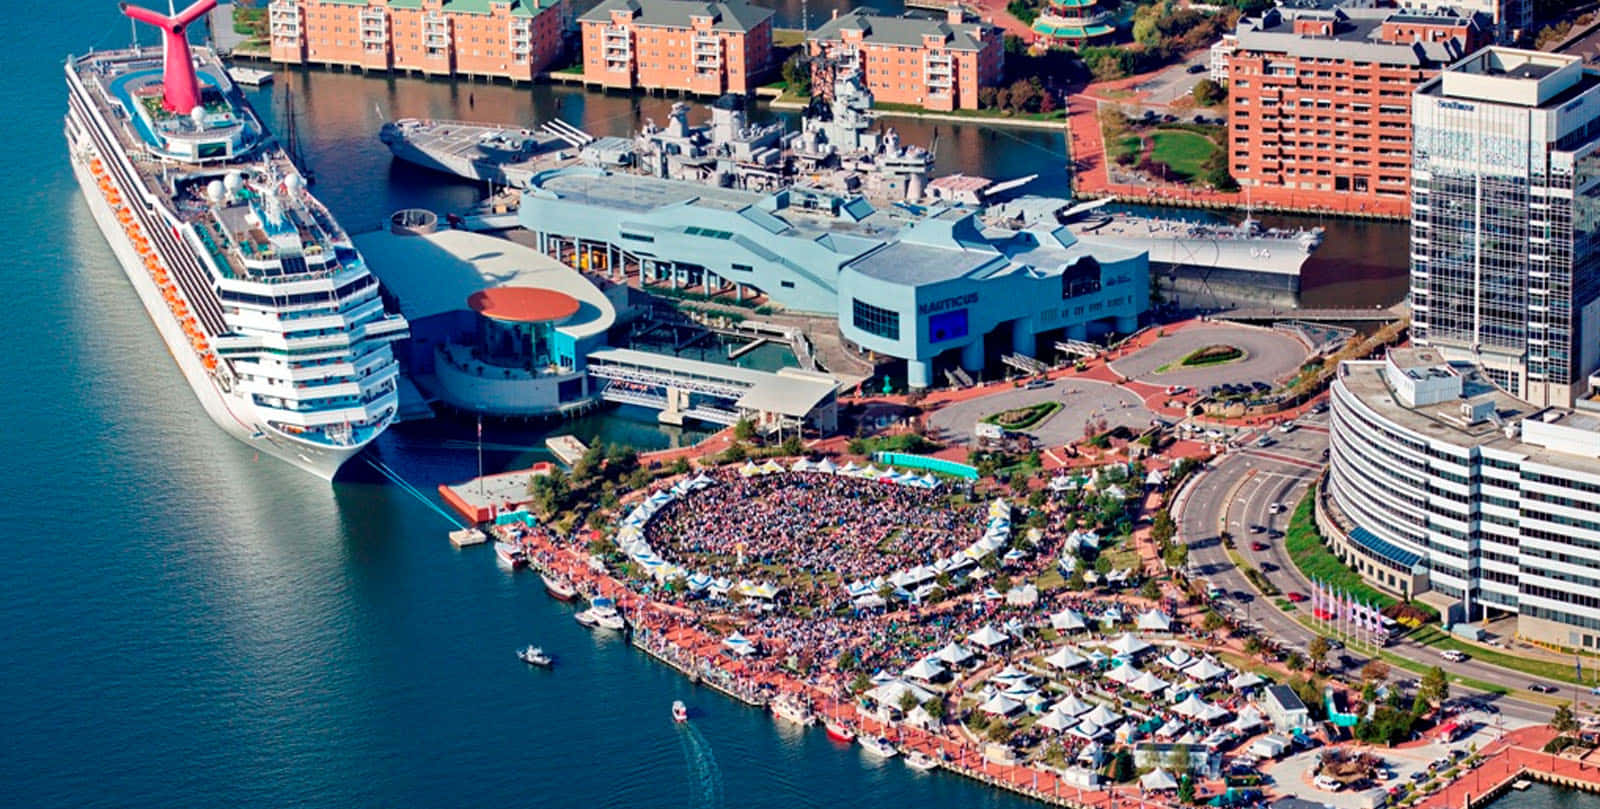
1296	597
1037	384
1275	508
1198	68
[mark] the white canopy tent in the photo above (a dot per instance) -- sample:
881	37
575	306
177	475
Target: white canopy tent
1248	720
1157	780
1055	722
1128	646
1124	674
1248	679
1204	670
1065	658
954	653
1068	620
1000	705
1154	621
1149	684
1178	658
1073	706
1104	717
891	692
928	668
988	637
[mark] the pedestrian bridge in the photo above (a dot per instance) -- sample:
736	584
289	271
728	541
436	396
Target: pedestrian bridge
715	393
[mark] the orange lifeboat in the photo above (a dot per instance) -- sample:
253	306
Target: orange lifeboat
209	362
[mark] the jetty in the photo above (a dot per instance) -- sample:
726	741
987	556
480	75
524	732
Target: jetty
480	499
567	448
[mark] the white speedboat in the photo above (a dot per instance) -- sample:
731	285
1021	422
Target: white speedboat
878	746
510	554
680	712
921	761
587	618
558	587
535	656
793	709
838	730
602	612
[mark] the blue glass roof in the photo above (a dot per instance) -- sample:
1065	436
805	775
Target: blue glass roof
1384	548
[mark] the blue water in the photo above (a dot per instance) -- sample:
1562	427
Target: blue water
187	625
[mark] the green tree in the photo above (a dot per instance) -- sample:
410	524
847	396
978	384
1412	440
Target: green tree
1122	766
1002	583
1162	528
1434	686
1208	93
1151	589
793	445
1318	650
1176	556
908	700
797	75
1077	581
1102	564
735	453
998	732
1562	721
861	683
934	707
1294	661
1185	789
1214	621
846	661
680	466
744	430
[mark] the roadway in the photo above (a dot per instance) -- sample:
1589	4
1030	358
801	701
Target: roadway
1236	493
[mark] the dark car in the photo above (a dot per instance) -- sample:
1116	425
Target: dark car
1541	688
1261	387
1240	595
1268	567
1197	68
1259	546
1295	597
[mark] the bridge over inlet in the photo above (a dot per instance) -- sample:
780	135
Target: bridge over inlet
718	394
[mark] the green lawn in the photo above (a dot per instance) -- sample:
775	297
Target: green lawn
1305	548
1125	145
1184	153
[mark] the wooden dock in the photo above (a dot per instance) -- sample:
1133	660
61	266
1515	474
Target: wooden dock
567	448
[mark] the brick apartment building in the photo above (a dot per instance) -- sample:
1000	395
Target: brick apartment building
512	39
935	64
1320	99
705	48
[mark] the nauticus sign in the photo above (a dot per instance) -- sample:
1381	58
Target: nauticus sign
947	303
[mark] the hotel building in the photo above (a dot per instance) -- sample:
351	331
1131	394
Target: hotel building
1441	486
1505	227
692	47
1319	99
1507	18
510	39
935	64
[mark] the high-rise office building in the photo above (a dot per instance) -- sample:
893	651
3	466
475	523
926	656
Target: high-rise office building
1505	220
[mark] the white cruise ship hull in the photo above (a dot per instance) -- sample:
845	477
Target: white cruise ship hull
234	413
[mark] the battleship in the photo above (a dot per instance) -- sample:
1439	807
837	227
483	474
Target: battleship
1242	260
263	301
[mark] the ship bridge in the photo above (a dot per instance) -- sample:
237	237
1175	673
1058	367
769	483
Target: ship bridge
719	394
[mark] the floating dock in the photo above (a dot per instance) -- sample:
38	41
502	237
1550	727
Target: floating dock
467	537
249	76
567	448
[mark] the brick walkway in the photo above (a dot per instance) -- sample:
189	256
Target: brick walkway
1518	753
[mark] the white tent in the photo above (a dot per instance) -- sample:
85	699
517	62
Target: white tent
1248	719
1000	705
826	465
1204	671
1011	674
739	645
1178	658
1125	673
801	465
1068	620
1021	691
1154	621
1157	780
1055	722
988	637
1172	728
1191	707
890	693
954	654
1248	679
1065	658
870	601
1073	706
1128	646
1087	730
1104	717
771	467
1149	684
928	668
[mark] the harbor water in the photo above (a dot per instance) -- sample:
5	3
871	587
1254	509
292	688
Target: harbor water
1544	796
209	627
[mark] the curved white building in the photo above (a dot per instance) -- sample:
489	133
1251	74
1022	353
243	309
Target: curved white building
1440	483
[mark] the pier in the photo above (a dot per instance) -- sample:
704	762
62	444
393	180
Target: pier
714	393
567	448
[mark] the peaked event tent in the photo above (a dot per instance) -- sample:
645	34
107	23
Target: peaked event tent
1157	780
1055	722
1073	706
1154	621
1065	658
988	637
954	653
1068	621
1127	645
1000	705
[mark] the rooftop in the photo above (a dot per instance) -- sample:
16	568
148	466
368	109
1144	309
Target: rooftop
950	243
1357	36
904	31
733	15
438	272
523	304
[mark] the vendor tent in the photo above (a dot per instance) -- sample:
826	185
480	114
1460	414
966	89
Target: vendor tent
1127	645
1073	706
954	653
1125	673
1157	780
1154	621
1204	670
988	637
1178	658
1055	722
1000	705
1065	658
1068	621
1248	720
739	645
1248	679
1104	717
928	668
1149	684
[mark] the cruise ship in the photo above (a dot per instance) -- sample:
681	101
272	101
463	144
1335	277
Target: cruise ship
261	297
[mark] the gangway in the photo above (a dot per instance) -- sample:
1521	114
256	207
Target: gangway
558	128
959	378
1025	363
1077	348
712	392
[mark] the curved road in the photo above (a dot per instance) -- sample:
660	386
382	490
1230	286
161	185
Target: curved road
1235	493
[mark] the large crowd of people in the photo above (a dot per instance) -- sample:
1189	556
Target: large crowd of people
812	524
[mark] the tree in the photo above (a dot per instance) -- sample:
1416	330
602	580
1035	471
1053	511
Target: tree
744	430
1122	766
1318	650
934	707
1434	686
908	700
1208	93
861	682
1214	621
1151	589
1162	528
793	445
1176	556
797	74
735	453
846	660
1214	172
1102	564
1252	645
1002	583
1185	789
1562	721
1375	671
998	732
1295	662
680	466
1077	581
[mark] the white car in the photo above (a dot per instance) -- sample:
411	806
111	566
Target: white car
1288	427
1453	655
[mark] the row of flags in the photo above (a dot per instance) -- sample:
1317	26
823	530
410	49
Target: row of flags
1342	612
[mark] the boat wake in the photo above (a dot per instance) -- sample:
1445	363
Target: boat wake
705	777
405	486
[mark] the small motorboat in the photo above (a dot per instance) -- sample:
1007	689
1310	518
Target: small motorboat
587	618
680	712
878	747
838	731
510	555
559	588
923	762
535	656
795	710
